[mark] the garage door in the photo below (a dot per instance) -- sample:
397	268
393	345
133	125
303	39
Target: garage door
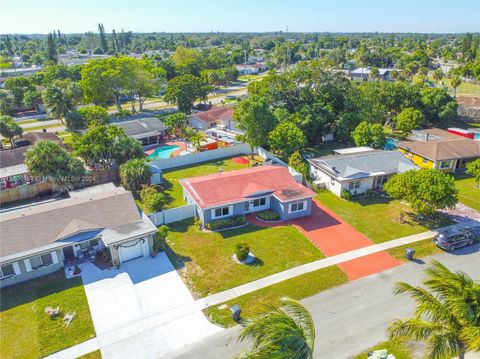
131	250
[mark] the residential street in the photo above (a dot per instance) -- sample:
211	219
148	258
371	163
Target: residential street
356	322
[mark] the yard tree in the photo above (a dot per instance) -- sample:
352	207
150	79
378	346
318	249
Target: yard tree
437	105
437	75
295	161
187	61
286	138
103	38
141	84
31	99
82	118
18	86
7	105
134	173
473	168
176	123
455	83
366	134
184	90
61	97
46	159
9	128
153	201
426	190
52	57
447	314
409	119
254	118
283	331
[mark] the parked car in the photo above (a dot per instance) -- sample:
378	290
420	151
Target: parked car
454	238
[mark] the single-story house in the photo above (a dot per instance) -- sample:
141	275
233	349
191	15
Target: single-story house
216	116
43	238
357	171
449	154
13	171
363	74
251	69
241	192
148	131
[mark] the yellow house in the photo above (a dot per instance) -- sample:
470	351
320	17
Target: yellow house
447	155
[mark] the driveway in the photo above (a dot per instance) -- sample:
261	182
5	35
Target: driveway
332	235
130	298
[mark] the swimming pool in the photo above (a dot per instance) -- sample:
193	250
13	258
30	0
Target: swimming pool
162	152
477	136
390	144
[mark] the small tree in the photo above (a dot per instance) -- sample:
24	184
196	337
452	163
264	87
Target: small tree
437	75
474	169
286	138
159	238
295	161
176	123
82	118
455	83
409	119
366	134
426	190
135	173
153	201
9	128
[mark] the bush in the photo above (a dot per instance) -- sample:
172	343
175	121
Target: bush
152	200
369	192
268	215
159	238
346	195
226	223
241	251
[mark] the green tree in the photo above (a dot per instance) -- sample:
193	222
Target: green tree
184	90
409	119
426	190
447	314
103	38
18	86
7	105
473	168
82	118
196	139
437	105
32	99
9	128
187	61
374	72
285	331
455	83
437	75
366	134
61	97
134	173
176	123
152	200
286	138
48	160
295	161
51	50
254	118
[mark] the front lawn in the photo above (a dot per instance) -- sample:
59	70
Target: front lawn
422	249
394	346
173	190
468	192
28	332
297	288
205	258
378	217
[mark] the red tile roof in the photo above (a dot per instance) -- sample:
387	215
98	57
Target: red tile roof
234	186
215	114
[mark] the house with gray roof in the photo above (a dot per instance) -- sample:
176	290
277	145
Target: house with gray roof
357	170
41	239
148	130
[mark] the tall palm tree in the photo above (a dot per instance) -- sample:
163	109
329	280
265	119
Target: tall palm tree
9	128
284	332
447	316
58	101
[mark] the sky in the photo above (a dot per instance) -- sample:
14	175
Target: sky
79	16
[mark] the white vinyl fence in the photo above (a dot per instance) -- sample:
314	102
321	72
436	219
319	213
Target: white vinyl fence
173	214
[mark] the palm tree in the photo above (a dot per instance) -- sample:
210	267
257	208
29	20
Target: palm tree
135	173
58	101
9	128
447	316
437	75
285	331
455	83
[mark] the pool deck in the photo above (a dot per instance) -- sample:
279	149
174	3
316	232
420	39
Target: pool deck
177	152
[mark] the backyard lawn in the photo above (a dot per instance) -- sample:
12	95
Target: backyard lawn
173	189
205	258
27	332
468	192
297	288
377	217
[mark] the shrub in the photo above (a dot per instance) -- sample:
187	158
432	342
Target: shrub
159	238
268	215
346	195
369	192
226	222
152	200
241	251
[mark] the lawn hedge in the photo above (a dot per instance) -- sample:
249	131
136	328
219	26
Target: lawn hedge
226	223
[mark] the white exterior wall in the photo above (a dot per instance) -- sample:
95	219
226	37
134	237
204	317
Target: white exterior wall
330	183
196	123
367	183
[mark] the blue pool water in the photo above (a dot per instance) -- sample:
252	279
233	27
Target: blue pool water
477	136
162	152
390	144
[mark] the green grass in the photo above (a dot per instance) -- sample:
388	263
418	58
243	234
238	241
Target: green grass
27	332
206	257
377	217
324	149
93	355
297	288
174	191
24	122
38	128
422	249
468	192
396	347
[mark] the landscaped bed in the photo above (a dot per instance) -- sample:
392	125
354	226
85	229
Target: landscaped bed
26	331
205	258
298	288
173	190
468	192
378	217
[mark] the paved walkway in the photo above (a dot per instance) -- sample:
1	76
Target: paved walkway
333	236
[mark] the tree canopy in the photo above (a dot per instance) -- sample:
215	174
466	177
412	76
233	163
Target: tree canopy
184	90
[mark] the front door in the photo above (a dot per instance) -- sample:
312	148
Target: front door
68	253
246	207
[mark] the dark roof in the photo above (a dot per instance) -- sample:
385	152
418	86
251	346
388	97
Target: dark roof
13	157
142	127
31	138
441	150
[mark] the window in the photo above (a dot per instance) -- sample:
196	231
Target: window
259	202
41	261
297	206
84	245
94	242
445	164
7	271
354	184
424	161
222	212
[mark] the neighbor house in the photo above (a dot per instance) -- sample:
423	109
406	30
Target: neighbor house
41	239
216	116
357	170
245	191
148	131
251	69
449	154
364	74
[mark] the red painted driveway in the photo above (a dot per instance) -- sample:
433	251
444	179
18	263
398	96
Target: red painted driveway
334	236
